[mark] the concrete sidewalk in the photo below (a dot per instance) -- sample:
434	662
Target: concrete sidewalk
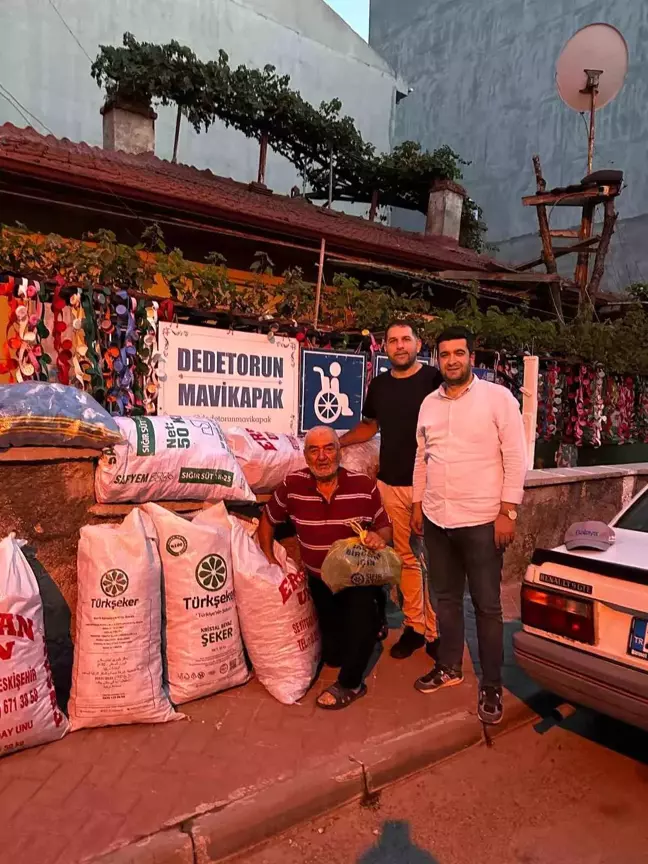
242	768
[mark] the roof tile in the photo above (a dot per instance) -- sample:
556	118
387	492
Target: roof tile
155	180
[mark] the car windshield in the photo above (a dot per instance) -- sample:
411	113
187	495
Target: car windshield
636	517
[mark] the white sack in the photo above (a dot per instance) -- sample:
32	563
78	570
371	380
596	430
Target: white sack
363	458
265	458
276	610
204	650
29	715
170	459
117	674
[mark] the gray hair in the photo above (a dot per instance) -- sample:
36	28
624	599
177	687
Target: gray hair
332	433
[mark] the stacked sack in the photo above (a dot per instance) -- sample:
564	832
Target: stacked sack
29	712
277	614
170	459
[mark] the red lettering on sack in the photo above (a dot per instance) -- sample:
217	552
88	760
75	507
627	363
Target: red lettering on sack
6	650
16	625
286	591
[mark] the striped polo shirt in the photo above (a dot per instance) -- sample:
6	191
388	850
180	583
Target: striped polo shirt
318	522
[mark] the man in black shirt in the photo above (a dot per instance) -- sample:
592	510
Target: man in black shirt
392	406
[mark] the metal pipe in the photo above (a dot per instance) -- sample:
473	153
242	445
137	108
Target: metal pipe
320	277
592	131
263	158
174	158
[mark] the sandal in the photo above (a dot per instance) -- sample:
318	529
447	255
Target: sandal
343	697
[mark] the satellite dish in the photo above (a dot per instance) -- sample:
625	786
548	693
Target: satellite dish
590	72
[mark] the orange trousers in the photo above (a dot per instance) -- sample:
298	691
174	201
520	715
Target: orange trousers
417	608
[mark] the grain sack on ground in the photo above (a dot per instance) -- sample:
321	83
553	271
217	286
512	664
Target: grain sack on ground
265	458
204	650
170	459
117	674
29	714
276	611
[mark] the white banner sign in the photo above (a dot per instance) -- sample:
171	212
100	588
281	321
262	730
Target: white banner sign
241	379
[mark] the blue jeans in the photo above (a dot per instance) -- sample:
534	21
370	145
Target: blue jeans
457	554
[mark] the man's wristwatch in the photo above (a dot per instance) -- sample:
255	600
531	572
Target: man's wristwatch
511	514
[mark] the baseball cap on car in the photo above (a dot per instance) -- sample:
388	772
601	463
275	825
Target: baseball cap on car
589	535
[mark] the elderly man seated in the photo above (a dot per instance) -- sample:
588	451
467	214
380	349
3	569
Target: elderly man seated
320	501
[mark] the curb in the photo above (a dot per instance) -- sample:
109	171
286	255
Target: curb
165	847
264	814
234	827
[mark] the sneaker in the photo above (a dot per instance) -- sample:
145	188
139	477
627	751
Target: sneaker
437	679
409	642
432	648
490	708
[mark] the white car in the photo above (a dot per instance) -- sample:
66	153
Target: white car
585	620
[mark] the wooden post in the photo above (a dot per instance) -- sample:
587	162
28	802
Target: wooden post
263	159
609	222
320	277
530	406
545	236
176	139
330	190
581	276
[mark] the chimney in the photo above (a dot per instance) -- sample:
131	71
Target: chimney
128	127
445	206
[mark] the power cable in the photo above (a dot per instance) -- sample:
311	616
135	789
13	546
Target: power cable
70	31
15	107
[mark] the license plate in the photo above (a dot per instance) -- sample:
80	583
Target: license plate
638	646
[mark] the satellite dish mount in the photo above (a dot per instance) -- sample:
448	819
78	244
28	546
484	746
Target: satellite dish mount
592	89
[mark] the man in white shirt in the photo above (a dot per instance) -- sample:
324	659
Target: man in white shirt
468	483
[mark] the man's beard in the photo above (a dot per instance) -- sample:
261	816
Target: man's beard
325	479
403	367
459	382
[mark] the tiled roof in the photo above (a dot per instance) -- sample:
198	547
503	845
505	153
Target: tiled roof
202	193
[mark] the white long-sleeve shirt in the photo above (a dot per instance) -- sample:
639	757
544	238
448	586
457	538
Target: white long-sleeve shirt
471	455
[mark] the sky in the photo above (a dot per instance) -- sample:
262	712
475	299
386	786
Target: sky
355	13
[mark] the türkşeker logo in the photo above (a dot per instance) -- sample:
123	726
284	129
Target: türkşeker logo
211	573
114	582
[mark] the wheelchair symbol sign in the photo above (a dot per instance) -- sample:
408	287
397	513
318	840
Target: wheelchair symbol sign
332	389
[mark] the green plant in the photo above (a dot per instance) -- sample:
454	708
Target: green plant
261	104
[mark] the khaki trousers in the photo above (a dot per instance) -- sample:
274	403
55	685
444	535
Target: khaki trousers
417	609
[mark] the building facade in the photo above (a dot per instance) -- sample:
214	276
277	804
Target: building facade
47	54
482	73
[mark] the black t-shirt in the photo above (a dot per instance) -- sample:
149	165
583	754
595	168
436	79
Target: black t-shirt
395	404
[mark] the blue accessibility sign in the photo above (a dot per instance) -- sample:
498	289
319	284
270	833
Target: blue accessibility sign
332	389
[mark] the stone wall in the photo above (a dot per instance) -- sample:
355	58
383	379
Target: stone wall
47	495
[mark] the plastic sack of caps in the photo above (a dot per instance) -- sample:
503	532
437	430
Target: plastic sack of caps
36	414
170	459
264	457
351	564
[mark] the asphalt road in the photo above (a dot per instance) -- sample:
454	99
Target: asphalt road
569	793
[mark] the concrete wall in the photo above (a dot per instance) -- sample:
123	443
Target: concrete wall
557	497
483	79
627	260
47	71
